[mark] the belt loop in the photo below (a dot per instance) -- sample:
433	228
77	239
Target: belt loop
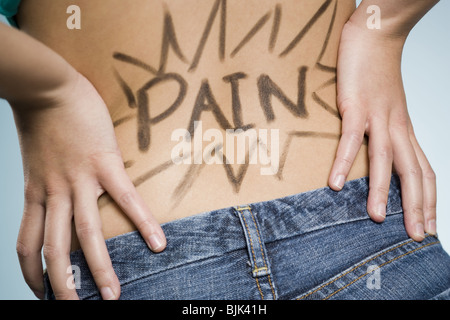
256	248
255	245
257	252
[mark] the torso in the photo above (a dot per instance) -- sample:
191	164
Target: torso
215	71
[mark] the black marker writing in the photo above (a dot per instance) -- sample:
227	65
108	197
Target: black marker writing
206	102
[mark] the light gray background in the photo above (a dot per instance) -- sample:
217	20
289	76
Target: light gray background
426	71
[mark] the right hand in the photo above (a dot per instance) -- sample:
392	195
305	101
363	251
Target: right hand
372	102
70	158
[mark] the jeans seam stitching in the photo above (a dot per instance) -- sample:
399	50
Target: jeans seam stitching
327	226
262	251
383	264
359	266
253	252
146	275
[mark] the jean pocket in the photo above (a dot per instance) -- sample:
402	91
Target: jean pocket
406	270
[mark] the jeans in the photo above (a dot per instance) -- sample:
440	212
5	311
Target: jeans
319	244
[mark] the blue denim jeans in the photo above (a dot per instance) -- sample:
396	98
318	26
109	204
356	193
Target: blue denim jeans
319	244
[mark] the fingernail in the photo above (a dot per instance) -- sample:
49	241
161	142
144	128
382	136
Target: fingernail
381	210
419	232
431	227
155	242
107	293
339	181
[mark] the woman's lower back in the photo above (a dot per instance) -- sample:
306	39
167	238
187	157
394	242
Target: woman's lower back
217	104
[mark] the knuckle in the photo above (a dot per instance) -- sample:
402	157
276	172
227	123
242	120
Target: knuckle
345	103
86	231
400	122
382	189
415	171
398	131
74	178
429	174
416	211
23	251
385	152
146	225
430	207
345	161
101	274
110	160
353	135
31	193
52	189
126	198
51	252
51	205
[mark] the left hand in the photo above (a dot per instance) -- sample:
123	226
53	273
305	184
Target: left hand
372	102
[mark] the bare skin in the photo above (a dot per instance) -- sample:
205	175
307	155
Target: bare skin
211	189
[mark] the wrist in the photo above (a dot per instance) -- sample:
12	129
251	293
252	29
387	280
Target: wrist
359	26
369	42
50	95
394	19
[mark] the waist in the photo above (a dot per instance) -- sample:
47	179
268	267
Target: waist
206	179
286	216
215	233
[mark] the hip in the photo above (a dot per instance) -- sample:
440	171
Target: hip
318	244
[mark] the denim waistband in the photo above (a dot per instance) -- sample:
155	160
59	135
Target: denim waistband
283	217
220	231
289	216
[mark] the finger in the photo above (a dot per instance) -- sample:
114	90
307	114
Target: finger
353	127
124	193
408	168
429	188
56	248
380	169
29	245
89	233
